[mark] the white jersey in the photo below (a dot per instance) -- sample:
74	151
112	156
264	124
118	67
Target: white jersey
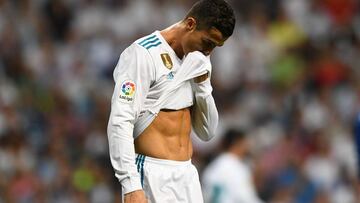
149	77
228	180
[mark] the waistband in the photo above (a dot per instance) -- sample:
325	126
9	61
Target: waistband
157	161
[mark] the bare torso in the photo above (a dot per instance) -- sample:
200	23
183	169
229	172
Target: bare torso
167	137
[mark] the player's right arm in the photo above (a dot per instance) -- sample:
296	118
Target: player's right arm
133	76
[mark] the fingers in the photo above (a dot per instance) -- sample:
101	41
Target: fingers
201	78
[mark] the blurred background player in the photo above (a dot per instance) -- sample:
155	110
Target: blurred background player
228	178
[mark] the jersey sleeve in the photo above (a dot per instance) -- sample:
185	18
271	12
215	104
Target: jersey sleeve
204	112
133	76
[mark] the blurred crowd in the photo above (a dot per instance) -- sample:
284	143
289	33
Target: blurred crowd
289	77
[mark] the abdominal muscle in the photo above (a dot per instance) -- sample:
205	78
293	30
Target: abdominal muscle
167	137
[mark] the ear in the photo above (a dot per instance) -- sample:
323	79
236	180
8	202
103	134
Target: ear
190	23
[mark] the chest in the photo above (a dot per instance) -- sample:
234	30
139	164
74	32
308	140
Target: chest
166	67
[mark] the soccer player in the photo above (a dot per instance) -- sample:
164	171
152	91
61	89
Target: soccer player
228	178
162	89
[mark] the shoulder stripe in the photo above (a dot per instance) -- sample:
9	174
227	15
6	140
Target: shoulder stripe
149	38
150	42
153	45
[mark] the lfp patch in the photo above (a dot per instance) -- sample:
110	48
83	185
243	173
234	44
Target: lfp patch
128	89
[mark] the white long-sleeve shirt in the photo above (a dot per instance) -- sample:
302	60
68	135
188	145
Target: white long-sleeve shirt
228	180
149	77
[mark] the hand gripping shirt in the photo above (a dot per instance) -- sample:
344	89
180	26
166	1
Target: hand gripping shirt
149	77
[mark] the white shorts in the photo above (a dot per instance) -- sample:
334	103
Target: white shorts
167	181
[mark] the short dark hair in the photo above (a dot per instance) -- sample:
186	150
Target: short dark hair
231	137
213	13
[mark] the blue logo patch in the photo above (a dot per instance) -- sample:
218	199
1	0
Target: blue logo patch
170	76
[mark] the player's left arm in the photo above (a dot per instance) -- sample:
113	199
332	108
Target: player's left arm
204	112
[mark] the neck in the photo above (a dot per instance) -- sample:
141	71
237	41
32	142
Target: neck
173	36
237	152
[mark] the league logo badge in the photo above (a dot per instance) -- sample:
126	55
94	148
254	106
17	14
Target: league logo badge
127	93
167	60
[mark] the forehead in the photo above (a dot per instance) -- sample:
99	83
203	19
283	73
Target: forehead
216	36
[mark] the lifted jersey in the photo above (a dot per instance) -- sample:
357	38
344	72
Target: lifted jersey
166	65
